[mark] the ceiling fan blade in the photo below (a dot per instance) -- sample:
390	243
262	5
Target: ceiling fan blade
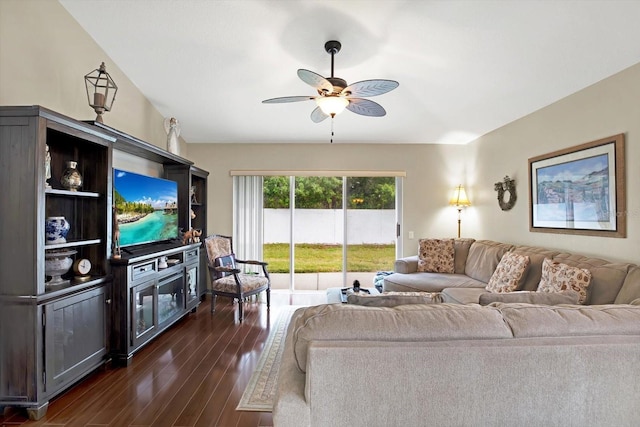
317	115
370	87
315	80
288	99
365	107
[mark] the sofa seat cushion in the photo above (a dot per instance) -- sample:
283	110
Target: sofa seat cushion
428	282
528	297
463	295
526	320
606	277
405	323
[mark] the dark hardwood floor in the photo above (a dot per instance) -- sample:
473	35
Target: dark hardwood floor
192	375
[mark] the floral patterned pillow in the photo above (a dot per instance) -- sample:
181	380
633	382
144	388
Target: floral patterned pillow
436	255
557	277
508	273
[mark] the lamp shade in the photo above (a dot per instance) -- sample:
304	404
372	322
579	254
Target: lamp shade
459	198
332	104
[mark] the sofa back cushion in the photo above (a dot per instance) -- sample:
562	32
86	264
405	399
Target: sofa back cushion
532	275
483	258
606	277
630	290
405	323
529	297
461	248
526	320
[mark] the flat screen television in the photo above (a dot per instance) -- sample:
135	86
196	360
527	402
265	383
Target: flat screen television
146	208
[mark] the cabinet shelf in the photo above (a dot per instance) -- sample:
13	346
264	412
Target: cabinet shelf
56	192
73	244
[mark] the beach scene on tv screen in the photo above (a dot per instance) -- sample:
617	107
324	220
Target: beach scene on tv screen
146	208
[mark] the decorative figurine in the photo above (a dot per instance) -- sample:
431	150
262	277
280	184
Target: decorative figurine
172	127
47	167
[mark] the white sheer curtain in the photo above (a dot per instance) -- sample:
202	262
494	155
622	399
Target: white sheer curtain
247	217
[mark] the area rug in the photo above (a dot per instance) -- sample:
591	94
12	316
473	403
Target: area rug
259	394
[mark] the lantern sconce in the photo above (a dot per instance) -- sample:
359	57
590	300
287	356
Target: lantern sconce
101	91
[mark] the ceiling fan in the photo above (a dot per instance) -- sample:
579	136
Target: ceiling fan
334	95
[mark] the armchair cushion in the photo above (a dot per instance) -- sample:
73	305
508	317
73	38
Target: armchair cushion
249	282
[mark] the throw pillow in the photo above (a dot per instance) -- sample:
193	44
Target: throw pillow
228	261
508	273
436	255
528	297
557	277
392	299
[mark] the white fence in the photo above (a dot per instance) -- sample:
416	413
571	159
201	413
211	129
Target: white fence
326	226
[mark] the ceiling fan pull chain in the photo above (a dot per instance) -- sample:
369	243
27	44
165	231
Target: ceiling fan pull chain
331	130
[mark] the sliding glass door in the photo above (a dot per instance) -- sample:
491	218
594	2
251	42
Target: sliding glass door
324	231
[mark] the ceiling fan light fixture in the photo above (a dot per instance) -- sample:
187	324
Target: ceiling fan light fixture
332	104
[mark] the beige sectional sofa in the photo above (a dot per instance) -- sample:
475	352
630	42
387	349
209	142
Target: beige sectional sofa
461	365
476	260
468	364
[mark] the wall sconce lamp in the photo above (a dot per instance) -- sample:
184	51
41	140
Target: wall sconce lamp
101	91
459	200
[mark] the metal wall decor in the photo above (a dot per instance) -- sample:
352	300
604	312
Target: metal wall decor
507	185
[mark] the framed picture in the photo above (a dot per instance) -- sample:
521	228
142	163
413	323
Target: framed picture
580	190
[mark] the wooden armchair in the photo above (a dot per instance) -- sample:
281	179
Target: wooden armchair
229	281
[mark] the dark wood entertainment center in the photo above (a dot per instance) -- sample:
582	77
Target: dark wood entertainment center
51	336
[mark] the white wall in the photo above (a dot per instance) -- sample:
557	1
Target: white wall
609	107
44	56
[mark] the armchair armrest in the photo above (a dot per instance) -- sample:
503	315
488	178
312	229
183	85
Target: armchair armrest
406	265
252	262
226	269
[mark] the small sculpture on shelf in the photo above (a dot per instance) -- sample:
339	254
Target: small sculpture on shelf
47	167
115	243
192	192
191	236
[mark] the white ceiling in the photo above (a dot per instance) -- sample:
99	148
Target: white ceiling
465	67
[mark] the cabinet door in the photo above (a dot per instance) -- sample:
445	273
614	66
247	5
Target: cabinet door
143	303
192	279
75	337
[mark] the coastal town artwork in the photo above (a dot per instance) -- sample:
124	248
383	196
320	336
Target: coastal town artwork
146	208
574	191
579	190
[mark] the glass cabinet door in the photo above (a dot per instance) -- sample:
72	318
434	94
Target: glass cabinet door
170	298
143	317
192	296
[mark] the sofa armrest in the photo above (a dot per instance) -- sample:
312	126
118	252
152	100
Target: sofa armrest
406	265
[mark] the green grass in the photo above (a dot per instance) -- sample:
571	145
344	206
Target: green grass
328	258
